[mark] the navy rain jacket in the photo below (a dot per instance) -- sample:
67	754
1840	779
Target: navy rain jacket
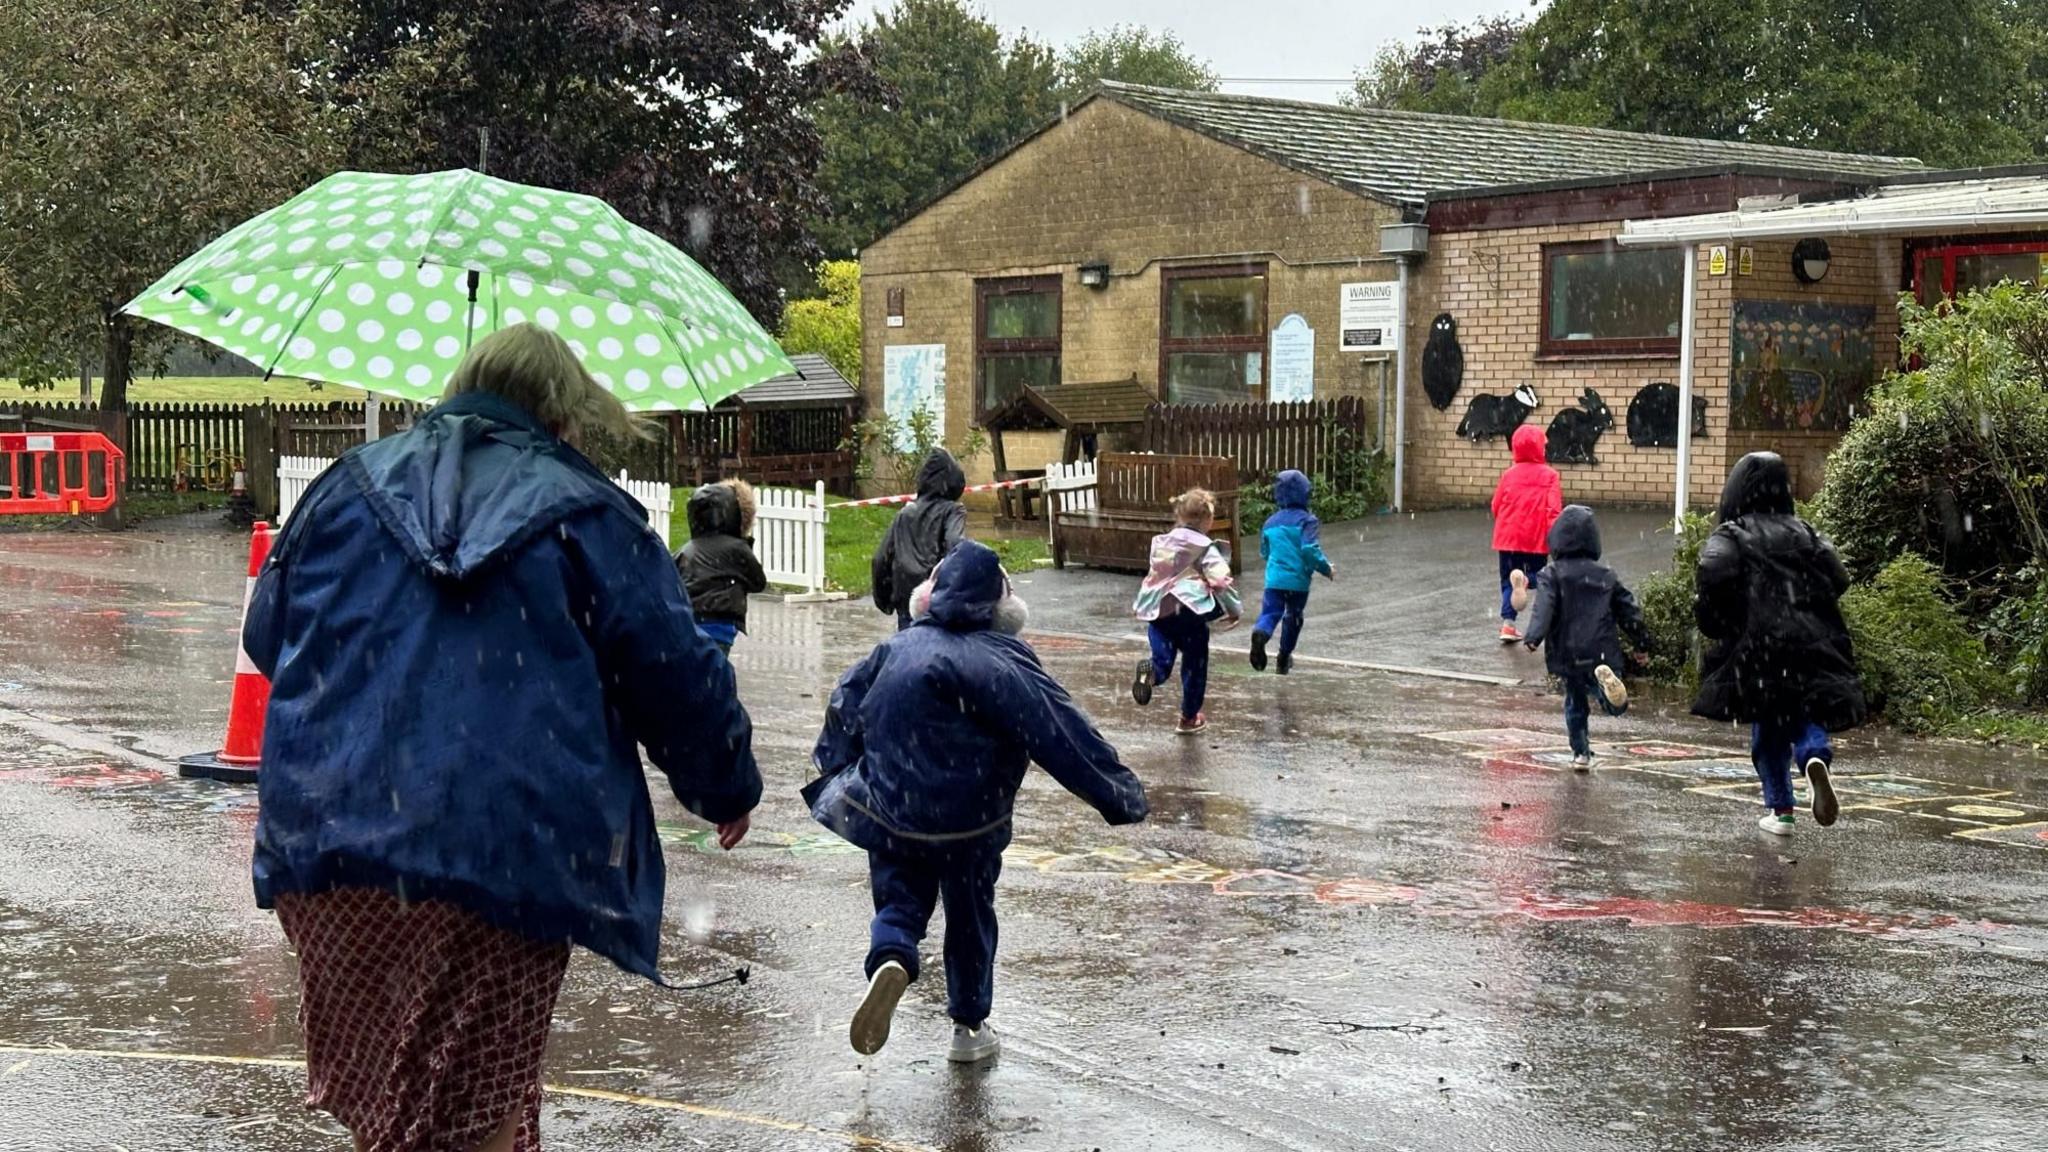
467	630
927	740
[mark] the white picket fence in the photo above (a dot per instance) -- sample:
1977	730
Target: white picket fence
1072	486
296	473
659	500
789	538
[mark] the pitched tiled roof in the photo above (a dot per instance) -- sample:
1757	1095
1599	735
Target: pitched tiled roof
814	382
1406	157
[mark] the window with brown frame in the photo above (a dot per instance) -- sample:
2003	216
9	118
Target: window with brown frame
1603	300
1016	338
1212	334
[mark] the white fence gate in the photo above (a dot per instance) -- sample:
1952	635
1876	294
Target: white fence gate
1069	488
659	500
294	475
789	537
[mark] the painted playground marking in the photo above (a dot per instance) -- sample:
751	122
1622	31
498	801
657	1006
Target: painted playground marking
703	1111
1987	814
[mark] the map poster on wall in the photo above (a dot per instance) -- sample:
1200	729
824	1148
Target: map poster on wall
1369	317
913	377
1799	367
1294	361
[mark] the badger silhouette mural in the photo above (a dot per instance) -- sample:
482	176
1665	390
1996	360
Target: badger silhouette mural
1574	431
1491	417
1443	362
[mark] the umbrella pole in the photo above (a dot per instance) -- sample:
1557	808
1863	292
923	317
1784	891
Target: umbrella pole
469	318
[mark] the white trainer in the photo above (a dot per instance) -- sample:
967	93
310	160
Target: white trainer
973	1045
1775	824
877	1009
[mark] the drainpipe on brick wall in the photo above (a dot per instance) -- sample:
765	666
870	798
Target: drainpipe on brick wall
1401	387
1685	333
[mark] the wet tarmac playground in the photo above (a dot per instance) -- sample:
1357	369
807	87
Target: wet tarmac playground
1371	911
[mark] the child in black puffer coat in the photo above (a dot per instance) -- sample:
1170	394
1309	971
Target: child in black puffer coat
1581	609
718	565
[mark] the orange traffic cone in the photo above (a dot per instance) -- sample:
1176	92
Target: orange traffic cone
239	756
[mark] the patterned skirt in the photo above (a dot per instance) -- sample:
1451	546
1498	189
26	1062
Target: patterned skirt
424	1024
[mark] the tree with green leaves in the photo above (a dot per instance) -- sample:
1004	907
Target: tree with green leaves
953	92
829	323
688	117
131	133
1133	55
1440	72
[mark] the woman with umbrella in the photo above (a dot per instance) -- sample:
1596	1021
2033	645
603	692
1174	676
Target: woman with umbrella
470	632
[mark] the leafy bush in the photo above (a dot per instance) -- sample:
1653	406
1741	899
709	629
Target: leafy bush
1951	459
2017	634
1920	661
828	324
892	450
1666	598
1353	485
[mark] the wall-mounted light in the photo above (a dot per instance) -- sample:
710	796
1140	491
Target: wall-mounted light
1810	260
1095	276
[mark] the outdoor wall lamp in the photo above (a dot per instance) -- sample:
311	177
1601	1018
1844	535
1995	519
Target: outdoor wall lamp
1810	260
1095	276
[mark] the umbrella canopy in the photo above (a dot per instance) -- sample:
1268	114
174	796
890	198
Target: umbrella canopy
383	282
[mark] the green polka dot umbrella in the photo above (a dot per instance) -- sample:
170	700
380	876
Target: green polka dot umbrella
383	282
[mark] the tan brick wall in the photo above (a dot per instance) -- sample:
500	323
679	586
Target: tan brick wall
1138	193
1492	283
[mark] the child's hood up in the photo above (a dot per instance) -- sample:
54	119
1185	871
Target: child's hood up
1528	444
1290	489
941	477
1575	534
714	510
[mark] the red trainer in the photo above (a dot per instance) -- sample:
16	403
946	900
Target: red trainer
1508	634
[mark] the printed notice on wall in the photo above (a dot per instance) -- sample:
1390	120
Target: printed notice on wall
1294	361
913	377
1369	317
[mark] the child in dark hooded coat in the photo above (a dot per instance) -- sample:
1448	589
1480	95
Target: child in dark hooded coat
920	536
1581	608
1769	588
925	745
718	565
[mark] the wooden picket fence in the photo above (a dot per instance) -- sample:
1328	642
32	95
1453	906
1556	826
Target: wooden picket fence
1264	439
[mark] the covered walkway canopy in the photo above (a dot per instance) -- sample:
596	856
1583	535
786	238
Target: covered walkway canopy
1934	203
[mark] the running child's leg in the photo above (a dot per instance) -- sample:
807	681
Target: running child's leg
1770	750
1576	714
1194	665
968	888
905	892
1290	621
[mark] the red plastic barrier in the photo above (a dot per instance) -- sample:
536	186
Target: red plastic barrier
58	472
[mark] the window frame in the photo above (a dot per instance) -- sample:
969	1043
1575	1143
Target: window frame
1659	347
1170	344
1015	347
1947	255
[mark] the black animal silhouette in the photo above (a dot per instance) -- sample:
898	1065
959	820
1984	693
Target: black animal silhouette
1443	362
1574	431
1653	416
1490	417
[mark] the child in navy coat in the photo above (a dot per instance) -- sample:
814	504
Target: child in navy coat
1581	608
925	745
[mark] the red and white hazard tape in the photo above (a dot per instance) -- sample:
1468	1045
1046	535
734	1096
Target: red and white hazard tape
905	499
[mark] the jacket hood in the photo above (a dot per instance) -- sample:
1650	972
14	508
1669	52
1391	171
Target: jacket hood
476	478
966	588
1575	534
1290	489
1759	482
940	477
714	511
1528	444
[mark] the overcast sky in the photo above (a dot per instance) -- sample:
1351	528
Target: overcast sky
1311	40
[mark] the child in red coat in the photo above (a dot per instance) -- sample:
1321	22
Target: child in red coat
1525	503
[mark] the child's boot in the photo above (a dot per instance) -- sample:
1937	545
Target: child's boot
1259	639
973	1045
877	1010
1286	664
1611	688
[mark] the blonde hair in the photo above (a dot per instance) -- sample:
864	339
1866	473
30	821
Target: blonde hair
537	370
744	492
1194	506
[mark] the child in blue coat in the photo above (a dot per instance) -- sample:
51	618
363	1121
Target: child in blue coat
925	745
1292	545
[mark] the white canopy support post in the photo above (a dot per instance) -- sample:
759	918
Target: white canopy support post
373	417
1400	387
1685	335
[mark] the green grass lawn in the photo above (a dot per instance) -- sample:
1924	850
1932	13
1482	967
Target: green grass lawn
195	390
852	535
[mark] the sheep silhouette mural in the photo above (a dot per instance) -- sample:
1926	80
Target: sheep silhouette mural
1574	431
1491	417
1443	362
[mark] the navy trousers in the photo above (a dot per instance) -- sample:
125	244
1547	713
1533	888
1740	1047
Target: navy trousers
1528	562
1282	609
1580	689
1186	635
906	890
1774	749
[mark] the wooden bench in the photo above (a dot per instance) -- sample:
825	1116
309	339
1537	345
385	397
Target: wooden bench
1134	495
